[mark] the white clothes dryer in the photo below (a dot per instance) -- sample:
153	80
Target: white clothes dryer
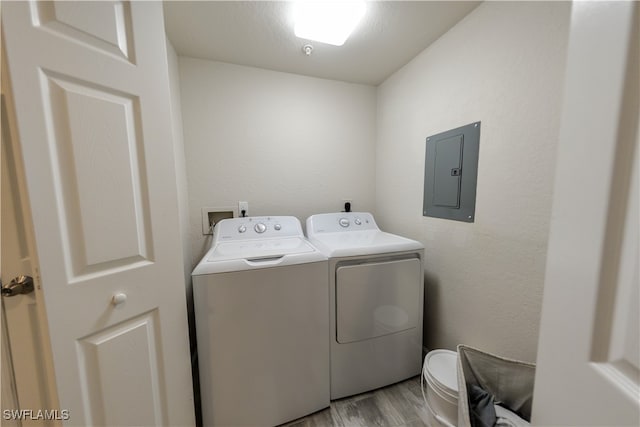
261	306
376	298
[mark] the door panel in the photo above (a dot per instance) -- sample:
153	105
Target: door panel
95	136
588	367
108	359
105	26
446	186
616	336
95	132
377	299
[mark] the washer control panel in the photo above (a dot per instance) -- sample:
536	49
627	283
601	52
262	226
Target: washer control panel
263	227
341	221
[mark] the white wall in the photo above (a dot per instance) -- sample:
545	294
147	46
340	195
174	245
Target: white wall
287	144
181	166
503	65
183	213
181	176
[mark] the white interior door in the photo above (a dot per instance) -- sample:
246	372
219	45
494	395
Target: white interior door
9	393
26	359
90	83
589	359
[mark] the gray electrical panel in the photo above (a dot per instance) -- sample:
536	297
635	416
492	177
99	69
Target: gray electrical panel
451	172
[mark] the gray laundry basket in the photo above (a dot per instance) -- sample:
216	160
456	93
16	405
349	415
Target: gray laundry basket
509	381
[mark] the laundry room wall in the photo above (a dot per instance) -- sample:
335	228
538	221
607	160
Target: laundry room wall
178	152
287	144
503	65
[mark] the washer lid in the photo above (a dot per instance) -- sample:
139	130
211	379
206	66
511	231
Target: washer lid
257	242
258	249
257	254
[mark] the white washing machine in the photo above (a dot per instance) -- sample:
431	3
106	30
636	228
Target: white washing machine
261	306
376	294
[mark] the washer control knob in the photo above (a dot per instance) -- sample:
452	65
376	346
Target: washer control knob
344	222
358	221
277	227
260	228
242	229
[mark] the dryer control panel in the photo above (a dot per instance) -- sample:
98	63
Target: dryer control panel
257	227
341	221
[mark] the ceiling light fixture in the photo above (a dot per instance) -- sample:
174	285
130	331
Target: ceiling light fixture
329	21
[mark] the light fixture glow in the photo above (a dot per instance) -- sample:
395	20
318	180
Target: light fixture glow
329	21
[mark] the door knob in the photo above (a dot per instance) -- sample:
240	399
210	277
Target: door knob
118	298
18	286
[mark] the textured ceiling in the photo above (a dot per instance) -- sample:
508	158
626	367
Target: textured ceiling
260	34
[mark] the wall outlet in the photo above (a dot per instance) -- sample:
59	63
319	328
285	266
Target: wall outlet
243	206
344	202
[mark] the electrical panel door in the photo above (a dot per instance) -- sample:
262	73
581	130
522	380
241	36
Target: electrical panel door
451	170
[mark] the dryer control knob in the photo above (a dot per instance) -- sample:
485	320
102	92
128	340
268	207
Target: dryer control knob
260	227
358	221
277	227
344	222
242	229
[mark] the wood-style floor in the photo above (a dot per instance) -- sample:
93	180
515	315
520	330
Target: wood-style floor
397	405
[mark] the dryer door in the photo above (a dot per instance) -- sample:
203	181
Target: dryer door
378	298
